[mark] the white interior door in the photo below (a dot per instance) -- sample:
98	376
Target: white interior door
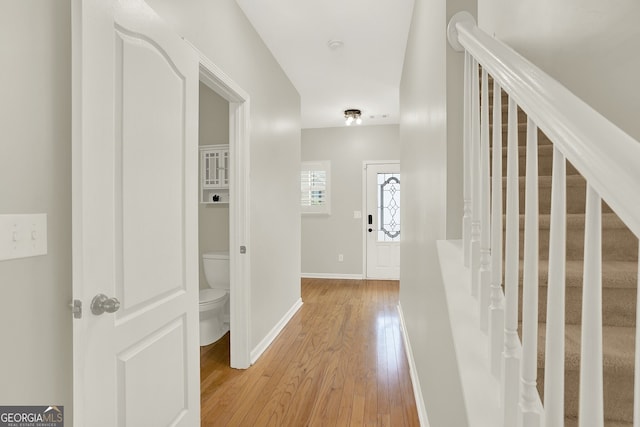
382	221
135	222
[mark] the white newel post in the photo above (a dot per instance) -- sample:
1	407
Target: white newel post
470	77
466	219
475	178
496	310
484	278
591	381
554	352
528	391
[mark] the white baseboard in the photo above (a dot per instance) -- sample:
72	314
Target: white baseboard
417	391
266	342
346	276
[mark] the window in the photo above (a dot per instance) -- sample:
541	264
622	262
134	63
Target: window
388	207
315	187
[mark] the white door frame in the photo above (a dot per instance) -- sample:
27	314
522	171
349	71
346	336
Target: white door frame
366	163
239	271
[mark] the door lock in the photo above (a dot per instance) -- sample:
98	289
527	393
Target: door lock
103	304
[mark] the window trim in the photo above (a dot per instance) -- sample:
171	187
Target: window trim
317	165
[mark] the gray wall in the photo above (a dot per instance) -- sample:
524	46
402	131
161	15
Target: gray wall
423	140
213	220
590	47
220	30
324	237
35	177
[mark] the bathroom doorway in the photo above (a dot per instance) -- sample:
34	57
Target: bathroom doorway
225	225
213	212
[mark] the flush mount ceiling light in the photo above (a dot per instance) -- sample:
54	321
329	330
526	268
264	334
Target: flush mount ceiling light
352	115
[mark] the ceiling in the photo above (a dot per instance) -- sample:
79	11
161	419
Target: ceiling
363	73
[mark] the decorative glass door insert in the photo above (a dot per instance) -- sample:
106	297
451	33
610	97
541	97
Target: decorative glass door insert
388	207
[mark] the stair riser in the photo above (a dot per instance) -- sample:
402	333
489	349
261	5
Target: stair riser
618	305
522	135
545	162
618	244
575	196
522	116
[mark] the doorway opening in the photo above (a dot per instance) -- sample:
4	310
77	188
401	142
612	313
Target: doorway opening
238	213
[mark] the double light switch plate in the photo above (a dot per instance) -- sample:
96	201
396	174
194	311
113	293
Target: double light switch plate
22	236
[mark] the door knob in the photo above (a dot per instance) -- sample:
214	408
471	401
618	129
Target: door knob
103	304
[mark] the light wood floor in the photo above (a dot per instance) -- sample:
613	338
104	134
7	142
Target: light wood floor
339	362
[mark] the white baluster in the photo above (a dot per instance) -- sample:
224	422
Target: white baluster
511	357
466	219
529	366
554	350
484	278
475	179
636	372
591	393
496	310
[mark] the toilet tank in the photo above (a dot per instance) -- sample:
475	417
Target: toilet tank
216	269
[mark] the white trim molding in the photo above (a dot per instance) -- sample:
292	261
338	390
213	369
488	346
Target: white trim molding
273	333
343	276
239	213
415	381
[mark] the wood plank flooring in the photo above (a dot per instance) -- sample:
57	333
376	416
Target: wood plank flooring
339	362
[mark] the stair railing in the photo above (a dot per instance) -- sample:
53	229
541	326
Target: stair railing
612	172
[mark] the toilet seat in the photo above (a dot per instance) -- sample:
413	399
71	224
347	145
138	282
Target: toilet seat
211	295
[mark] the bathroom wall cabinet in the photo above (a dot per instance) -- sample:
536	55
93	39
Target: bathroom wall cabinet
214	174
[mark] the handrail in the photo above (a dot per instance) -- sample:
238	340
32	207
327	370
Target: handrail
606	156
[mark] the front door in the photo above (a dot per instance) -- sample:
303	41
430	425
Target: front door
382	221
135	259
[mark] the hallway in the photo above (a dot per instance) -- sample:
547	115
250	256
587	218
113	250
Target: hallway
340	361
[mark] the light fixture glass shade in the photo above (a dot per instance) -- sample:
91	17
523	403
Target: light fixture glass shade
352	115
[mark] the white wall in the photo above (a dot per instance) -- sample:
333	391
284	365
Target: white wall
220	30
213	220
324	237
35	177
590	46
423	139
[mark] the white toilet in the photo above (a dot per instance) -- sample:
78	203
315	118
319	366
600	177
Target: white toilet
214	322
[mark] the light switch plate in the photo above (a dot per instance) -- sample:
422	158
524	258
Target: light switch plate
357	214
23	235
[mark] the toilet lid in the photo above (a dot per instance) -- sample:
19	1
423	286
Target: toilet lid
208	295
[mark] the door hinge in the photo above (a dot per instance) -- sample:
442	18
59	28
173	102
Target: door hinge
243	249
76	308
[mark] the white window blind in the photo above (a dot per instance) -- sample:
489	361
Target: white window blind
315	179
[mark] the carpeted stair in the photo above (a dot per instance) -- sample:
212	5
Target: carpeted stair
620	260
